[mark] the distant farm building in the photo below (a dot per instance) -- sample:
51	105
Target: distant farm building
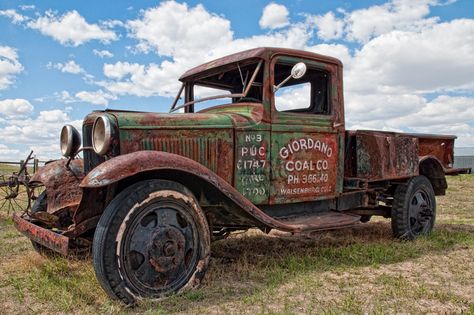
464	157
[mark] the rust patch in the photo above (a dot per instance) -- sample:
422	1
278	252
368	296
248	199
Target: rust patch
211	148
45	237
62	184
378	155
441	148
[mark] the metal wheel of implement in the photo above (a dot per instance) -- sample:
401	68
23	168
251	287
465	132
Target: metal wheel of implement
14	196
414	209
151	241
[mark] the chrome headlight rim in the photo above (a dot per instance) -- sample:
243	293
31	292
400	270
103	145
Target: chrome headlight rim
69	141
102	135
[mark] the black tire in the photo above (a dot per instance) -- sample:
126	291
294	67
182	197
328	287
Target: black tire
413	209
152	240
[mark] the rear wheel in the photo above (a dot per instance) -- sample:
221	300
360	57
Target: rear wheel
414	209
151	241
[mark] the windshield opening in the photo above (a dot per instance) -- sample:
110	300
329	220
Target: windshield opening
241	82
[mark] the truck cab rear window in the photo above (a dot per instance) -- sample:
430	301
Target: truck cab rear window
306	95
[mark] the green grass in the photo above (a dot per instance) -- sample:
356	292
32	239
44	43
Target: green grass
356	270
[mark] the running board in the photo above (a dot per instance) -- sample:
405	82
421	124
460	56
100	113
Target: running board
322	221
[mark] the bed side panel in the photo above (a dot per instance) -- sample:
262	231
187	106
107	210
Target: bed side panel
381	155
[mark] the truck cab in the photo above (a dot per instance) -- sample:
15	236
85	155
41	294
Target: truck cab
255	139
289	149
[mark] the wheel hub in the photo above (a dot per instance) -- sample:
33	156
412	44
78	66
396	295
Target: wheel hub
166	249
420	212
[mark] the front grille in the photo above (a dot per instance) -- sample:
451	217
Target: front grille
91	159
204	150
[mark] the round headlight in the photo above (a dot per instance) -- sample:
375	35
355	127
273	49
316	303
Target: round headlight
101	135
70	141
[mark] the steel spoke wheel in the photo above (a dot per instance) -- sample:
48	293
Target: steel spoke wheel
414	209
151	241
13	196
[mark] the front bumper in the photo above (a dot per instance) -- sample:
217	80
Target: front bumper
48	238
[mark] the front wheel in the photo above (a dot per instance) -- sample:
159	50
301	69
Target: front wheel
414	208
152	240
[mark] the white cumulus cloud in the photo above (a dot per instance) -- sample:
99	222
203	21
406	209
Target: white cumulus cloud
364	24
103	53
40	133
68	67
140	80
16	17
438	58
188	36
173	28
329	27
274	16
97	98
15	107
71	28
9	66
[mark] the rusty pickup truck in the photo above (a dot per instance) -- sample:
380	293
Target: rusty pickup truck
255	139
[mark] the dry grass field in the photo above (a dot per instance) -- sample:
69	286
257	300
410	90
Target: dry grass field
357	270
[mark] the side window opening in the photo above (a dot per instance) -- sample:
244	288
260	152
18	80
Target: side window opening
310	94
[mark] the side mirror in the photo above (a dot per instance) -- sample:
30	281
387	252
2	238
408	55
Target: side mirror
297	72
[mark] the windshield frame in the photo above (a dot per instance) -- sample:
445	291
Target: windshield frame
233	95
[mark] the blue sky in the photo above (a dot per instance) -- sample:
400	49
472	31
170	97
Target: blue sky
409	65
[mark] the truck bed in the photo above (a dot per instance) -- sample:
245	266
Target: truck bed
380	155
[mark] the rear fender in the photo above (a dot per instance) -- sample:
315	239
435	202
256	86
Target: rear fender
125	166
431	167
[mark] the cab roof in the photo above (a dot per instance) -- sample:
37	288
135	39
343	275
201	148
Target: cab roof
265	53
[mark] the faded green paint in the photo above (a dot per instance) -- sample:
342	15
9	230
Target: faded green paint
142	120
304	166
252	165
212	148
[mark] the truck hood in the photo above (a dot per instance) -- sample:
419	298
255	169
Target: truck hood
224	116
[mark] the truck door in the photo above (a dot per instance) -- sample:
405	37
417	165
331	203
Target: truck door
306	132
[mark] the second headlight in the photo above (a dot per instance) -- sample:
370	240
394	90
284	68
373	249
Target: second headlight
70	141
102	135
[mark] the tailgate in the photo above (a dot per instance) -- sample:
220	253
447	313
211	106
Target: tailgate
438	146
442	148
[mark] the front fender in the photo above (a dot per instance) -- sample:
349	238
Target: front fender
61	183
121	167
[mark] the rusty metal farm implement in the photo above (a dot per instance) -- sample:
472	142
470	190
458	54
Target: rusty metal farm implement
16	192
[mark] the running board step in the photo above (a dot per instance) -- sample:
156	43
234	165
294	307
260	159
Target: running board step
321	221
